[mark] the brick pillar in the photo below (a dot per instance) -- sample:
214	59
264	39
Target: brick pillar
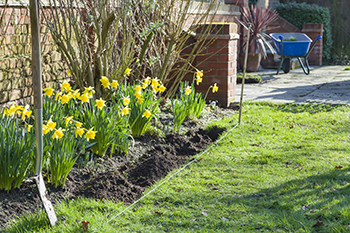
313	31
219	63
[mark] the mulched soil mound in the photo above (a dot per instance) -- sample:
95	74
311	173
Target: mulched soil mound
118	178
110	185
165	158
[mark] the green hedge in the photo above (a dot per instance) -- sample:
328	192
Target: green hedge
252	2
300	13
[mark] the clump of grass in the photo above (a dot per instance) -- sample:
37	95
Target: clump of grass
249	78
347	68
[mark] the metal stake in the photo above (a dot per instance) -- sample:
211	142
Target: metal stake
38	108
244	71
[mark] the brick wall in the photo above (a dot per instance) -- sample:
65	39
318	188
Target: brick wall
15	57
219	64
313	31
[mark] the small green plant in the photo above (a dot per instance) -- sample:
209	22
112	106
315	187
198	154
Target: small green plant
178	109
16	148
62	154
347	68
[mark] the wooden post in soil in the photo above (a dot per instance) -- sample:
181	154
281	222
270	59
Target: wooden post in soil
38	108
244	71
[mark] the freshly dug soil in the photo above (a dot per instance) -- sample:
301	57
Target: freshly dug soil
118	178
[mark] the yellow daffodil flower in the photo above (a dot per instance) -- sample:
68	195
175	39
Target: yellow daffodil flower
89	91
78	124
155	89
127	71
115	84
104	81
162	88
199	74
46	129
144	85
100	103
48	91
26	113
29	127
147	81
75	94
215	88
90	134
138	88
140	100
79	131
126	101
188	90
50	124
66	86
58	134
12	110
58	96
147	114
138	95
155	82
65	99
69	73
84	98
124	111
68	120
199	80
6	112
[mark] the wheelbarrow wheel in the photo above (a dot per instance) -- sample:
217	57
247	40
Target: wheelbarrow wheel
286	65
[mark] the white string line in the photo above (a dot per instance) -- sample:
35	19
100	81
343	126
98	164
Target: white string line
168	178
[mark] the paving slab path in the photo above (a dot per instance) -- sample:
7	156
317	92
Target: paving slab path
326	85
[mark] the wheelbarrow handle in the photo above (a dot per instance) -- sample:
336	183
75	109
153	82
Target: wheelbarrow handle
313	45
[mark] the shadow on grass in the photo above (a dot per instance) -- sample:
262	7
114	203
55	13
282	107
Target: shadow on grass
318	203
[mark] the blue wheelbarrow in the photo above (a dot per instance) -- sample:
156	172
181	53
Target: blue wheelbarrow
293	45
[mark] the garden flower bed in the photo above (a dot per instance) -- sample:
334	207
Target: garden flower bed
120	178
93	149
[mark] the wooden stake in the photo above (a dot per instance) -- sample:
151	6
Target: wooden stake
38	108
244	71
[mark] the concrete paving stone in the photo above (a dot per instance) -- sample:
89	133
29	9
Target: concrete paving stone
327	85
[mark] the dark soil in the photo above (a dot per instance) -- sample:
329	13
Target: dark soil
118	178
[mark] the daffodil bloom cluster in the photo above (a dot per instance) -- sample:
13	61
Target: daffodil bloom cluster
106	84
58	133
199	75
13	110
19	110
125	110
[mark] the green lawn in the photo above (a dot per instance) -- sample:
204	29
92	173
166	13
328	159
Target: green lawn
284	169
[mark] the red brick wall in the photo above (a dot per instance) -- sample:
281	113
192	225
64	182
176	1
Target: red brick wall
219	65
281	25
313	31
